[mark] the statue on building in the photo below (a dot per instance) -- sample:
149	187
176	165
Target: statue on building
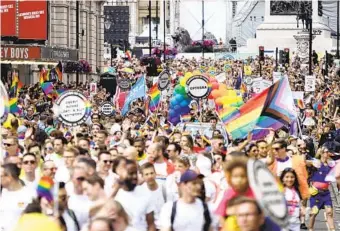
285	7
181	39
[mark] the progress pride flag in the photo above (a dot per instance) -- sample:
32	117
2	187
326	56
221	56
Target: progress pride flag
32	19
8	16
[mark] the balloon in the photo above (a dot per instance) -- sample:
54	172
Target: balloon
210	96
178	98
172	113
181	90
219	101
215	93
177	108
214	85
184	103
185	110
36	222
177	89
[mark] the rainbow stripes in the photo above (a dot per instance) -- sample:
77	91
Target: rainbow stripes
47	88
155	97
45	188
299	103
273	108
186	118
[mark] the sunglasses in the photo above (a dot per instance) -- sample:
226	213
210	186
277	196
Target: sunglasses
96	148
81	178
108	161
29	162
8	145
52	169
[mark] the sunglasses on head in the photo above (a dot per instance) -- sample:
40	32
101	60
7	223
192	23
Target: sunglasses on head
29	162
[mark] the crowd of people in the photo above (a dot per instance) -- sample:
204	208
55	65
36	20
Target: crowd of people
121	173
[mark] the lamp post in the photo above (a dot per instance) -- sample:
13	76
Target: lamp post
150	44
107	25
164	23
77	38
337	30
203	29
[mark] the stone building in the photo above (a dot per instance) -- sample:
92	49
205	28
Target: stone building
61	42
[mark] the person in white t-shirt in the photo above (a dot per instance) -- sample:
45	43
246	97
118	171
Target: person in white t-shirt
14	196
156	190
29	165
136	201
104	166
77	201
188	213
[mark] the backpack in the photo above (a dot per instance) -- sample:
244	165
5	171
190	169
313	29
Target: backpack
206	214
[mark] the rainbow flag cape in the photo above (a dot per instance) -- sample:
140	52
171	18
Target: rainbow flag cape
273	108
299	103
45	188
47	88
155	97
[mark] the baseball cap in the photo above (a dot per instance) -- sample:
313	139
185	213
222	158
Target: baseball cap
187	176
22	129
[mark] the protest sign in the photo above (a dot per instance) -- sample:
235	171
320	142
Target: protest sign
197	87
256	84
163	80
310	83
277	76
107	108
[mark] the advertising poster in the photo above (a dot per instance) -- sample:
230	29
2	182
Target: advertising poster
32	13
8	16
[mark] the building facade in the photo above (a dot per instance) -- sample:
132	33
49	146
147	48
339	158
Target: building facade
61	42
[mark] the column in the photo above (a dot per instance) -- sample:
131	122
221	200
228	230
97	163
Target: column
161	21
172	17
133	22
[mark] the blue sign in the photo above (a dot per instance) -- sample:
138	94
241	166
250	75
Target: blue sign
138	90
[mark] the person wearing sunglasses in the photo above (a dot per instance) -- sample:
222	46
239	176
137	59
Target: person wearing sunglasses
104	170
29	165
14	196
77	200
11	146
65	212
283	161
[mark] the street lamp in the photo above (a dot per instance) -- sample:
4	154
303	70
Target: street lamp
107	23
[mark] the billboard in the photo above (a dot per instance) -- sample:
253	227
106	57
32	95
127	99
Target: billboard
32	19
8	18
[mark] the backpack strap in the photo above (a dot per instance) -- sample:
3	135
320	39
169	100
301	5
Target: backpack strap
173	214
207	217
74	218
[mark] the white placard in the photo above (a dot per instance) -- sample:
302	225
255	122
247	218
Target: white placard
265	84
93	88
310	82
72	108
257	86
197	87
298	94
163	80
107	108
221	77
267	192
277	76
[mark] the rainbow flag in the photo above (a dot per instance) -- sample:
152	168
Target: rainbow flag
13	105
45	188
273	108
16	85
317	106
59	70
60	91
128	54
299	103
47	88
155	97
186	118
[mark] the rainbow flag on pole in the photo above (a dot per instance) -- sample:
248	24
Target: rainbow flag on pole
47	88
273	108
45	188
155	97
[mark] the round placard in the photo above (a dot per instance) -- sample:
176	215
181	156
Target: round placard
198	87
107	108
124	84
248	80
72	108
163	80
267	192
4	106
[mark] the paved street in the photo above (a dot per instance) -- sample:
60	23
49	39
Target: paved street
320	224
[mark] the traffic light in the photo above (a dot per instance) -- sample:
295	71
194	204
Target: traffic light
285	56
113	52
320	12
261	53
